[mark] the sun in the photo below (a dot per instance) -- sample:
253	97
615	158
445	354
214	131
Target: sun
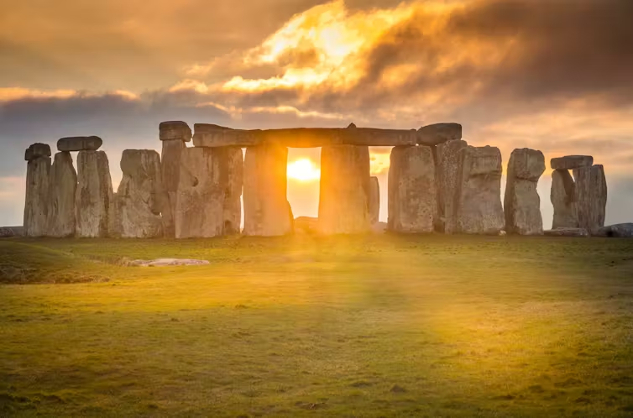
303	170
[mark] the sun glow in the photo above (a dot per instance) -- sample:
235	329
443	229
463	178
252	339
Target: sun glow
303	170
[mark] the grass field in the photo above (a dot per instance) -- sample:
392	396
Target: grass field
302	326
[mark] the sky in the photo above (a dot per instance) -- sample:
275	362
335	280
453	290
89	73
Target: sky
550	75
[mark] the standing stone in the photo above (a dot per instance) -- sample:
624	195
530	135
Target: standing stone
137	203
374	200
63	185
37	190
522	202
479	209
344	190
232	167
412	190
591	196
266	208
563	197
201	192
94	194
173	135
447	164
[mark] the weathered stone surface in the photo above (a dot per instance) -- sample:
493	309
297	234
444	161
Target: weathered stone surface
570	162
170	170
210	135
447	170
479	209
94	194
567	232
344	191
591	196
563	197
37	195
412	190
79	143
138	201
63	186
439	133
201	192
232	169
624	230
374	200
174	131
522	202
266	209
11	231
36	151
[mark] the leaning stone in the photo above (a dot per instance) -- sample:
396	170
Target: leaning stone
170	170
374	200
412	190
200	197
94	194
570	162
591	196
37	151
37	193
138	198
567	232
266	209
479	209
447	169
522	202
344	191
563	200
439	133
615	231
174	131
79	143
63	186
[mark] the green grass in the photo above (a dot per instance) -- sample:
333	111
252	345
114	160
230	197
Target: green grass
303	326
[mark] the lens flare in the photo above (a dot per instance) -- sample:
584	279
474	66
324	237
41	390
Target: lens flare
303	170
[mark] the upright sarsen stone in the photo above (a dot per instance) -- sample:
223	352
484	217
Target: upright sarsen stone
374	200
447	169
266	208
200	198
232	167
591	196
137	203
479	209
344	190
522	202
36	203
412	190
173	135
94	194
563	198
63	186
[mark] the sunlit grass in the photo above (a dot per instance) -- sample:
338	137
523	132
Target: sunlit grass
307	326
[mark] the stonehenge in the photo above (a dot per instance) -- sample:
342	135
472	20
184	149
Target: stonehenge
437	183
579	198
522	203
